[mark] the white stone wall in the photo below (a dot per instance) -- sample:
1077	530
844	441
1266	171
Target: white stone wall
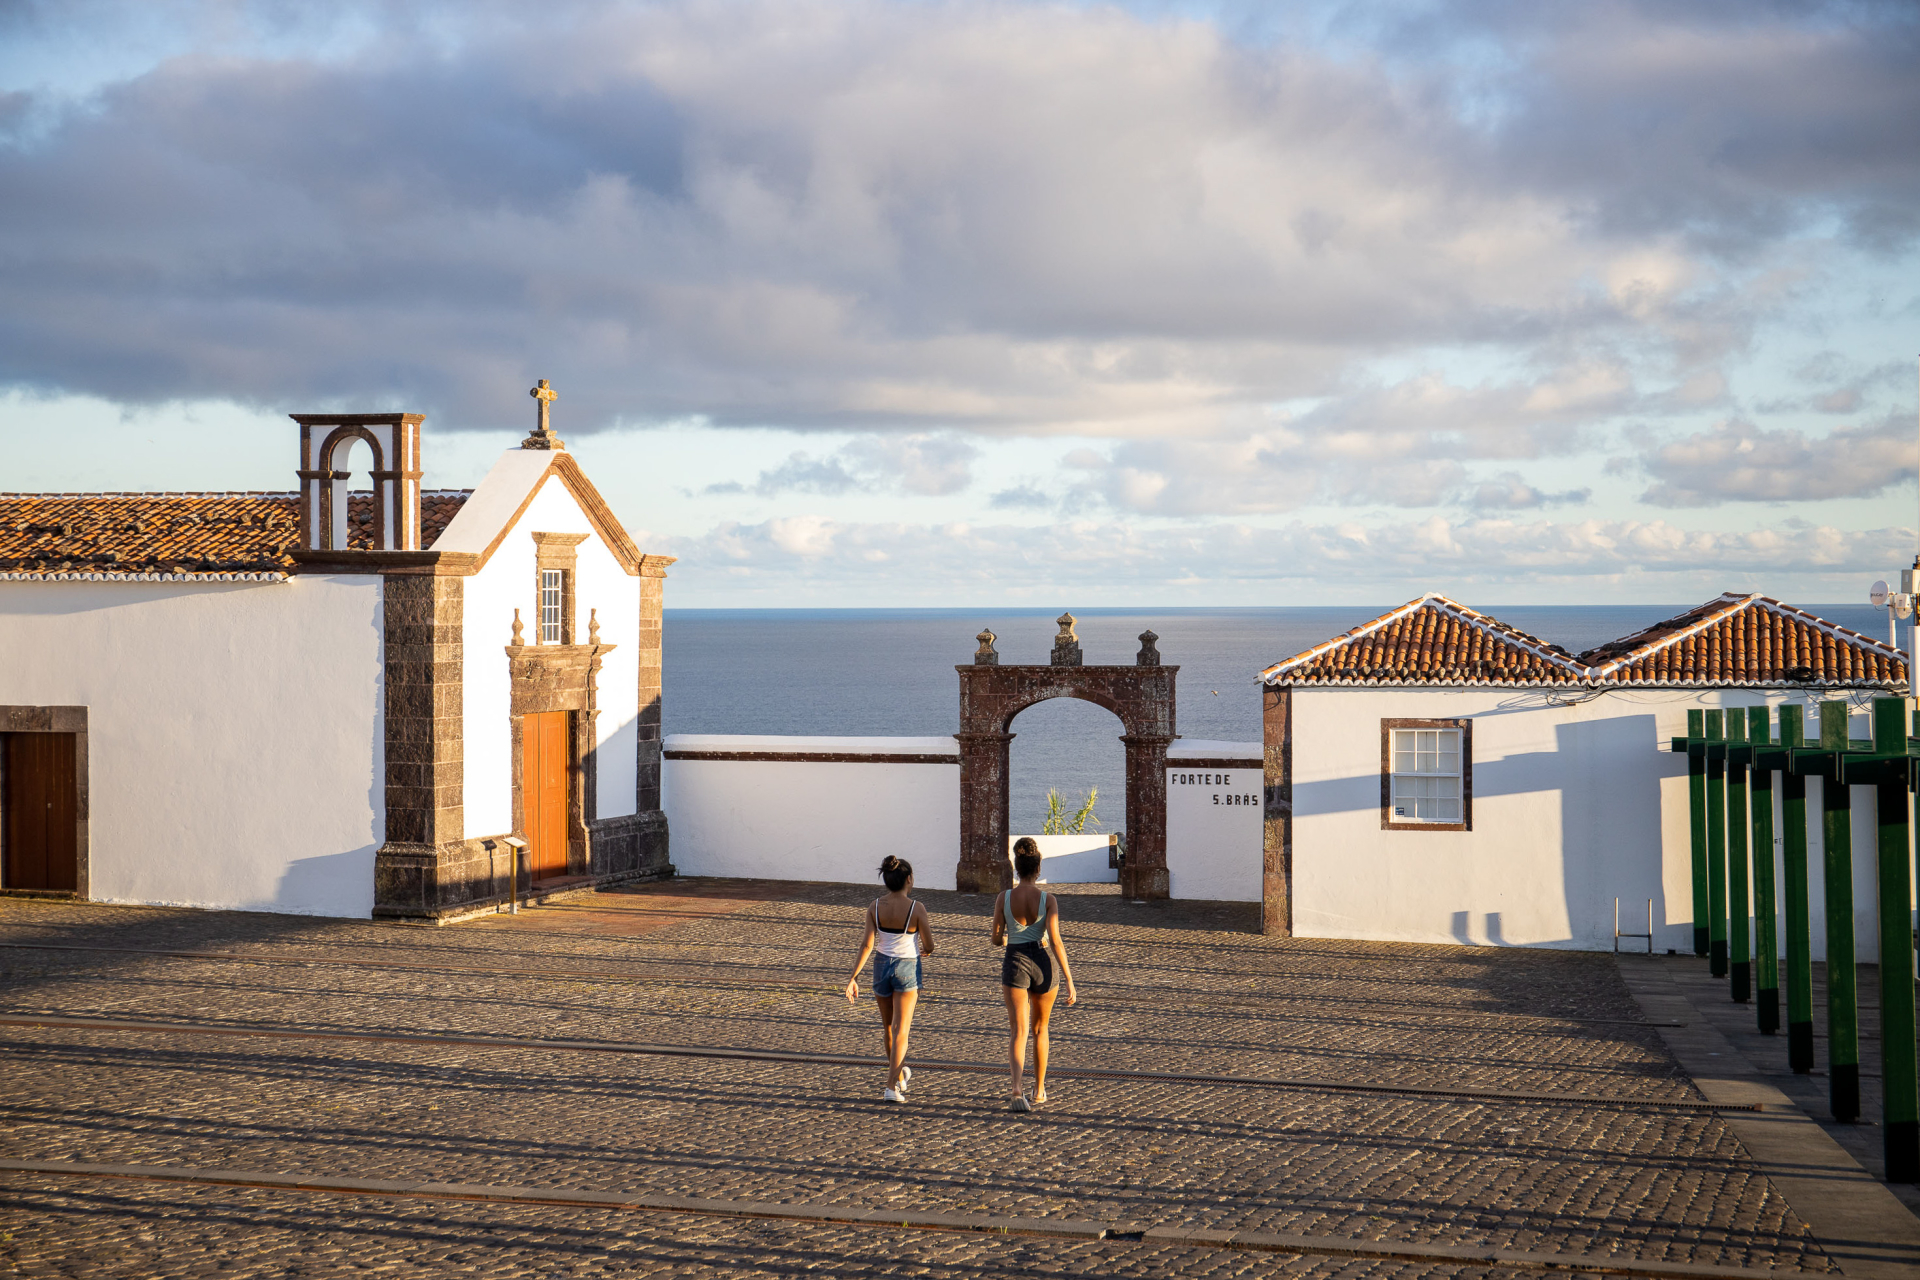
1214	821
1572	805
491	596
1071	859
818	819
813	819
235	749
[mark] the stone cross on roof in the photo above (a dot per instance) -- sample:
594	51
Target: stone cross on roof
543	437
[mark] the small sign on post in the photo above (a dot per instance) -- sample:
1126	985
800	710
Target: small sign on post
516	855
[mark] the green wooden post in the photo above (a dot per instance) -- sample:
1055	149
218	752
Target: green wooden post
1901	1118
1766	968
1716	845
1843	1013
1739	918
1697	827
1793	848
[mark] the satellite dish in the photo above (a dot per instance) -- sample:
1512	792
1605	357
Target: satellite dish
1878	594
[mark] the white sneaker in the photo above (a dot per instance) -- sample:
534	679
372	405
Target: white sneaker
906	1074
893	1095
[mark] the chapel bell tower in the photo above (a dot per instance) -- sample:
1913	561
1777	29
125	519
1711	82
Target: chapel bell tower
325	441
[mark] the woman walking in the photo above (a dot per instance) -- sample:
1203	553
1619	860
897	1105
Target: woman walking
1023	917
898	934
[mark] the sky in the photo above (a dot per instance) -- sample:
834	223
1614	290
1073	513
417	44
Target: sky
903	302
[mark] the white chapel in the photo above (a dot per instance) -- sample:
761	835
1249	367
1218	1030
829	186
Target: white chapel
333	701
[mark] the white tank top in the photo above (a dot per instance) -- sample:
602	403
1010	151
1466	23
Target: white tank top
896	944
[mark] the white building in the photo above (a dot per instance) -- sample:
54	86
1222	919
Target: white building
1438	776
330	702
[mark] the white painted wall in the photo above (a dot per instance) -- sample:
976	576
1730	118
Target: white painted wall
1214	822
813	819
235	744
1072	859
1571	806
821	820
491	596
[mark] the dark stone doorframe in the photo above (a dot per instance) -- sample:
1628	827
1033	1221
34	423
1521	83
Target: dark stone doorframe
992	695
56	719
560	678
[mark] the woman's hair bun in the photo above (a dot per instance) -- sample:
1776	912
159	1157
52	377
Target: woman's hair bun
895	871
888	863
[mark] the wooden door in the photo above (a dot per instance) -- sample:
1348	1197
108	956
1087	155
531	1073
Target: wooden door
42	807
543	790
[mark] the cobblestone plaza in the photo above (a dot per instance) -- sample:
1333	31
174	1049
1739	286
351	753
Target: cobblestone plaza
1176	988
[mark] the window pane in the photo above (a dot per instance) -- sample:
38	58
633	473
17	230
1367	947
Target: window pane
550	605
1426	782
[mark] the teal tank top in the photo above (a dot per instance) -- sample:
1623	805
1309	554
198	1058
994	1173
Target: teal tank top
1019	933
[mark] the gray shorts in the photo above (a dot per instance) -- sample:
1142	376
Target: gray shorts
1027	967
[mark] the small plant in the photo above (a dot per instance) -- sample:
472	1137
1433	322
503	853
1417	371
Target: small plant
1059	824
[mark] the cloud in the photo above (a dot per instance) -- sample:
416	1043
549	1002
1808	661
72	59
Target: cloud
1399	444
1736	461
1841	385
929	465
1508	491
799	473
1023	497
973	216
920	464
968	561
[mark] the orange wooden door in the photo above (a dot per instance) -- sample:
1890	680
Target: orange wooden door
42	805
543	789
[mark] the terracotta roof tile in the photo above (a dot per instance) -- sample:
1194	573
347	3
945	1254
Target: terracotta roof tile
1431	641
196	534
1747	640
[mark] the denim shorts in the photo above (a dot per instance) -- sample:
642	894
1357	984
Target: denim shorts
893	974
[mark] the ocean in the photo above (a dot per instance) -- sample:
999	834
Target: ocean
887	672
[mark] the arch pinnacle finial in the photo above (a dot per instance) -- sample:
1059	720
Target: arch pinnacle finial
986	655
543	437
1066	645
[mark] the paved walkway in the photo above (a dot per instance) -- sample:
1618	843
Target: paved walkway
1181	987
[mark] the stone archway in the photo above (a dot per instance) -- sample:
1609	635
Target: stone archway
992	695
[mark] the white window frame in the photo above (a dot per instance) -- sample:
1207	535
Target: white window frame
1401	807
553	603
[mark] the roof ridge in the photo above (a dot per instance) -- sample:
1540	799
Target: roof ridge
1820	623
1730	602
1547	652
1364	629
